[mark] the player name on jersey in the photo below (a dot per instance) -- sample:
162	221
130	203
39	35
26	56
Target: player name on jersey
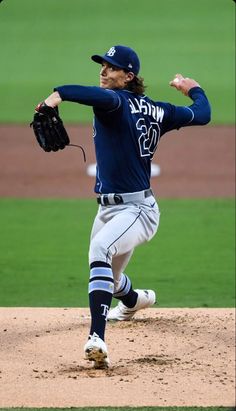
143	106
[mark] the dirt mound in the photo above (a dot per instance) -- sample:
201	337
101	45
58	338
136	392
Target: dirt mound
175	357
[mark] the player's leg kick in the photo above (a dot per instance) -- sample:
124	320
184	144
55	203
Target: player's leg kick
130	300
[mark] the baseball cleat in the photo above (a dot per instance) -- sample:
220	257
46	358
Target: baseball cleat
96	350
146	298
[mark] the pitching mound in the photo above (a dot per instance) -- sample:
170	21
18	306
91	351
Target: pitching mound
176	357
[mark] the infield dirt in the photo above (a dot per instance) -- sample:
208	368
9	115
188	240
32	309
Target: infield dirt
195	162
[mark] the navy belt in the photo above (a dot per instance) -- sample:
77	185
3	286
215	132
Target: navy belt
115	199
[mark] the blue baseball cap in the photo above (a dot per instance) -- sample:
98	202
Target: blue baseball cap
120	56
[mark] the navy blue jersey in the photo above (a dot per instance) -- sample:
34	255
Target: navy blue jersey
127	130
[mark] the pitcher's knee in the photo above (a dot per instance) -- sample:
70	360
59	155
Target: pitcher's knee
99	252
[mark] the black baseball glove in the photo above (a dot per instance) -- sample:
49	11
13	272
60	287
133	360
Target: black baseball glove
49	129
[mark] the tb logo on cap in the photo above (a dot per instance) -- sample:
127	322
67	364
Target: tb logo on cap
111	52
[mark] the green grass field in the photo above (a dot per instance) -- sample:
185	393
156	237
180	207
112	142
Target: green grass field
49	43
44	246
44	243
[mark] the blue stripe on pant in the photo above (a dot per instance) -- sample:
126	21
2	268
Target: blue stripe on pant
101	285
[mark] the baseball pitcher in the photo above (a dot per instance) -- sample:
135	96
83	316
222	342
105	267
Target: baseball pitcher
128	126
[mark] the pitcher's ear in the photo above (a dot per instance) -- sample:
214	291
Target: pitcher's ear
130	76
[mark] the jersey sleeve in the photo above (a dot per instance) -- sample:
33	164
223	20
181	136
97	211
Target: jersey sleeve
96	97
198	113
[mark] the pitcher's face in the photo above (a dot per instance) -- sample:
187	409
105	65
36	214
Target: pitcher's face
113	77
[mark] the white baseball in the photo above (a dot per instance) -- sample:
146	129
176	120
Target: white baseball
176	80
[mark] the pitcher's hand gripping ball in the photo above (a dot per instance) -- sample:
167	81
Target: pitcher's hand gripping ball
49	129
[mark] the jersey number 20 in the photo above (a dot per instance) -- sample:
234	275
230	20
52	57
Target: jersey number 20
149	137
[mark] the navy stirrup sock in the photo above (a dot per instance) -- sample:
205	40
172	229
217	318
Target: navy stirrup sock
126	293
101	288
130	299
